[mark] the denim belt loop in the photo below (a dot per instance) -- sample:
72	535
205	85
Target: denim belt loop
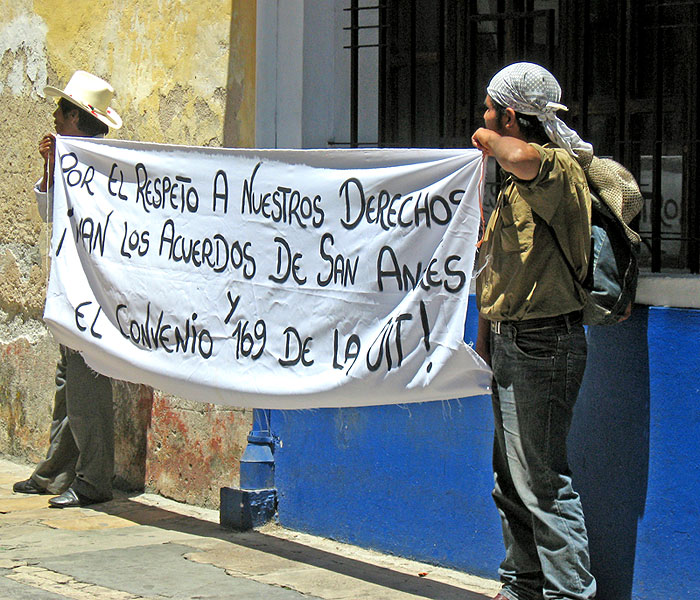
569	323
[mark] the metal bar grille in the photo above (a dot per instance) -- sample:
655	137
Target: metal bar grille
657	152
355	9
354	73
618	62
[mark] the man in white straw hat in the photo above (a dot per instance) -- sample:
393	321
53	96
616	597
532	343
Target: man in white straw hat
79	464
531	333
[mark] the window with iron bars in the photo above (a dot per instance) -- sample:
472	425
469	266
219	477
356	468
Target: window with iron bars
628	71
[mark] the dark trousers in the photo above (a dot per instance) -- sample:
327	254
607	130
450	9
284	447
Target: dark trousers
81	449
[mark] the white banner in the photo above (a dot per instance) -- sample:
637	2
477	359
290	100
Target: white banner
268	278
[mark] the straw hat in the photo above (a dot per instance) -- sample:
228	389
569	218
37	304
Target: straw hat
617	188
91	94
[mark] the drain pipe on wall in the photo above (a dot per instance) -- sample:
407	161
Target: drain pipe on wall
255	502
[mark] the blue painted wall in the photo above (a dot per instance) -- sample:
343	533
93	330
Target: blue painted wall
415	480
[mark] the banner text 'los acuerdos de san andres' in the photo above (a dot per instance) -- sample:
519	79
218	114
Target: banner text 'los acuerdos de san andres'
268	278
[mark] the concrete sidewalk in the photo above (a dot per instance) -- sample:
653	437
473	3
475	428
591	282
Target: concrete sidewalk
147	547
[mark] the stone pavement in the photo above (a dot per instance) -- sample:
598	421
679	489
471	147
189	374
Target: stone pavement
145	547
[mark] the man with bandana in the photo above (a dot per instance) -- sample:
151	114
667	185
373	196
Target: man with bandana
531	332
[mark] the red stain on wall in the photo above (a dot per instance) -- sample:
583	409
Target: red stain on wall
193	452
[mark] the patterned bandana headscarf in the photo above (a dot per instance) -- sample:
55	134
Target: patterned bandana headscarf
530	89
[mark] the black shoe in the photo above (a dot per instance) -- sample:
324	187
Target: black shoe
28	487
71	498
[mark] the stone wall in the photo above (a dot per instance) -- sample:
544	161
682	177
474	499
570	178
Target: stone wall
184	73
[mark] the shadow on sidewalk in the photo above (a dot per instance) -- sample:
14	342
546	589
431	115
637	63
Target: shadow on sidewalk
143	514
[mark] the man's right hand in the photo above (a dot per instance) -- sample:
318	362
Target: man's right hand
46	146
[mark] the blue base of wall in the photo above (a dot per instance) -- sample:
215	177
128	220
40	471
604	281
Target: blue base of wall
415	480
397	479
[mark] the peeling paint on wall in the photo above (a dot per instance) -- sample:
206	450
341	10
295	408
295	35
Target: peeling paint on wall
14	327
166	63
23	46
184	73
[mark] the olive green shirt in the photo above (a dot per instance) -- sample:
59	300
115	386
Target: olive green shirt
524	275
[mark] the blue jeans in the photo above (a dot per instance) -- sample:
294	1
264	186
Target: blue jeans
537	370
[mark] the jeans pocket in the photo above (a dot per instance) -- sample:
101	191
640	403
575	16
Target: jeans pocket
538	344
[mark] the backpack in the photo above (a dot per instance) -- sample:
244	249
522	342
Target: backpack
610	284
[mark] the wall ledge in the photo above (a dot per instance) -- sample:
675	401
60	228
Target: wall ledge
674	290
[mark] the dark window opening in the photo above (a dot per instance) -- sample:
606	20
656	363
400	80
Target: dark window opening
628	71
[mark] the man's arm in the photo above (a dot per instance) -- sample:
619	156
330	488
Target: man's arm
513	154
483	340
47	147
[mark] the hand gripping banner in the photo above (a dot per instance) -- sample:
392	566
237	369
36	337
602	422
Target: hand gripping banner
268	278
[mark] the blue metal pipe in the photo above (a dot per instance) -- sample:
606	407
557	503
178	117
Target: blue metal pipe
258	461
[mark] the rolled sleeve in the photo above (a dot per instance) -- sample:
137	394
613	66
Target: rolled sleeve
43	203
552	183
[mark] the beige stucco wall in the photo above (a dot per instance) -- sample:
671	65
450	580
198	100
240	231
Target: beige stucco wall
184	73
